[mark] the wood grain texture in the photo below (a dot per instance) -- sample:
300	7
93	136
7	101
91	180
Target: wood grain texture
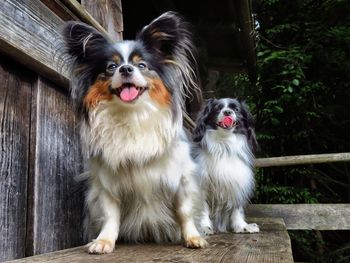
108	14
272	244
302	159
306	216
57	7
56	198
83	14
29	34
15	93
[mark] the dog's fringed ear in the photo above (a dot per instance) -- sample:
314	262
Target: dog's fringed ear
169	40
82	41
164	34
200	128
253	144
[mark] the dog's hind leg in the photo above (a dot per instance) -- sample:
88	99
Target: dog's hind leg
206	226
239	225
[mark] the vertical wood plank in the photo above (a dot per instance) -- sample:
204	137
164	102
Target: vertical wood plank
15	96
56	198
109	14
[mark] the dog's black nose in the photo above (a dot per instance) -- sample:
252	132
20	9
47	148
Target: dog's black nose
126	70
228	112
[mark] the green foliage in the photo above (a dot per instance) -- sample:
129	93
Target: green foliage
303	69
287	195
273	192
302	100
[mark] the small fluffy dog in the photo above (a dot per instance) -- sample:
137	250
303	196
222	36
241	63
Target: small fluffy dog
225	141
130	96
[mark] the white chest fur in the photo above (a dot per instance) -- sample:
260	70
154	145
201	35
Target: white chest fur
226	176
122	137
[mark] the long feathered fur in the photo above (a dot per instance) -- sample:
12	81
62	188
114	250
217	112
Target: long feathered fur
224	151
141	175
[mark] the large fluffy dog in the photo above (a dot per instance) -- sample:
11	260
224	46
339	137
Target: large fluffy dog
129	96
225	140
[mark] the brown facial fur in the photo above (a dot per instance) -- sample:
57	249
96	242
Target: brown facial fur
116	59
98	91
136	59
158	92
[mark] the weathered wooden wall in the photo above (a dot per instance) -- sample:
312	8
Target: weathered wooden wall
41	204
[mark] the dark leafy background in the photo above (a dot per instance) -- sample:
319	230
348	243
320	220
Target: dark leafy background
301	103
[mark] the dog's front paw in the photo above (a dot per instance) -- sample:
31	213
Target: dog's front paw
248	228
100	246
207	230
196	242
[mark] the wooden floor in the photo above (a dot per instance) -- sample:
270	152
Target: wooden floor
272	244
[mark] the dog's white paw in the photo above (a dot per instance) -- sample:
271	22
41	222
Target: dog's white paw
246	228
100	246
207	230
196	242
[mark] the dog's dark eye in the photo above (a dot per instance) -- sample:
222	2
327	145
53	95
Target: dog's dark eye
236	109
111	66
141	65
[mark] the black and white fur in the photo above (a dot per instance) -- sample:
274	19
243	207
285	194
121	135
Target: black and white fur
225	158
129	96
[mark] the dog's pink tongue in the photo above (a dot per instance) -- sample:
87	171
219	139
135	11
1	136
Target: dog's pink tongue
129	93
227	121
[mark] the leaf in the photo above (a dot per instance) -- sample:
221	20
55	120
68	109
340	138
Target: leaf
275	121
278	109
290	89
295	82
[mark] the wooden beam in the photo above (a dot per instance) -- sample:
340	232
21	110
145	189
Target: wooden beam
306	216
302	159
272	244
28	33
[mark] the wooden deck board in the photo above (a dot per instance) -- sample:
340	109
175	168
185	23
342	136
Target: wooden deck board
272	244
305	216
